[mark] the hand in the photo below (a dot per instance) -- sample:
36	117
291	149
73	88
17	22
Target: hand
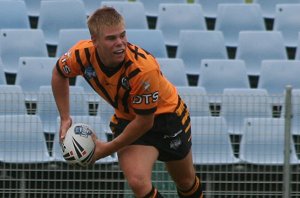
99	150
64	126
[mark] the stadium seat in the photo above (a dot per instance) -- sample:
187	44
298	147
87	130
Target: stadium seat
2	74
33	7
22	140
94	122
15	43
269	6
91	95
233	18
150	40
92	5
133	13
12	100
196	100
255	46
216	75
81	82
296	112
297	55
195	45
151	7
210	7
174	70
238	104
34	72
175	17
56	15
69	37
275	75
211	143
105	111
263	142
287	22
13	14
47	109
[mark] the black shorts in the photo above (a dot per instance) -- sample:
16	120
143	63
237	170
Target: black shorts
170	135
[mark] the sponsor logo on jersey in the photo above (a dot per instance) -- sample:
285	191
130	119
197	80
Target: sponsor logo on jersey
66	69
145	98
89	72
146	86
174	144
125	83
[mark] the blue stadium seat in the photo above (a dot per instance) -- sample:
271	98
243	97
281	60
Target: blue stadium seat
287	22
133	13
105	111
15	43
263	142
195	45
47	109
2	74
151	7
238	104
211	143
69	37
175	17
22	140
275	75
216	75
296	112
297	55
233	18
92	5
196	100
33	7
150	40
56	15
255	46
34	72
210	7
12	100
174	70
13	14
81	82
269	6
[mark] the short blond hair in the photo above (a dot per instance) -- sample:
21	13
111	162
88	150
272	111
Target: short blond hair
104	17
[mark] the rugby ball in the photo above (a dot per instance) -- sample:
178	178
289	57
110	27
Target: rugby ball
78	146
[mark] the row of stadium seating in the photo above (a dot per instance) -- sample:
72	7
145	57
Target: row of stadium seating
262	141
151	8
213	74
234	105
229	18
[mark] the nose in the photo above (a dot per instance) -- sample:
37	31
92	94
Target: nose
121	40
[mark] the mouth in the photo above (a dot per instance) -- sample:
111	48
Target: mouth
119	52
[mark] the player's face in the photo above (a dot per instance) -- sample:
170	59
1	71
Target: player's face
111	45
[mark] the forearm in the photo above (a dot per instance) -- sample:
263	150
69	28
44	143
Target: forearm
60	89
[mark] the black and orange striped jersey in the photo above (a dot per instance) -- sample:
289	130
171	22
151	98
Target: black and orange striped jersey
137	86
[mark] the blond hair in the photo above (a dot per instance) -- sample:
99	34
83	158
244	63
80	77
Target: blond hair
103	17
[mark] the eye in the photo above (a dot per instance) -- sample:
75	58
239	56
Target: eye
111	38
123	35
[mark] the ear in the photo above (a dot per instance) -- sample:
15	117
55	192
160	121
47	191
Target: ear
94	40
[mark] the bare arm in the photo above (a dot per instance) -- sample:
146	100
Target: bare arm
60	89
135	129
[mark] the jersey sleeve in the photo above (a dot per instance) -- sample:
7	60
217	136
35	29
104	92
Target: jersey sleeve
67	65
144	93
